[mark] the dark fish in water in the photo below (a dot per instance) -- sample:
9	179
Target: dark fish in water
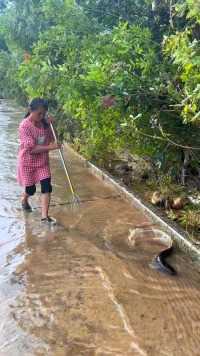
160	263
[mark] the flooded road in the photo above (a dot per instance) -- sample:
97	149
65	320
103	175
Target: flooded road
86	287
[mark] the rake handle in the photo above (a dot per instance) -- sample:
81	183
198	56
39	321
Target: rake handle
62	160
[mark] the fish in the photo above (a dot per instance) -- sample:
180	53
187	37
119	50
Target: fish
159	262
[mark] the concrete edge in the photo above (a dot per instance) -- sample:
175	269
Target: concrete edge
180	240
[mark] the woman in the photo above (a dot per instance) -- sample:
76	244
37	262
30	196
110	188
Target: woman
36	140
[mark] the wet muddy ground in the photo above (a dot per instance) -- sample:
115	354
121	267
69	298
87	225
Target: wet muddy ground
85	287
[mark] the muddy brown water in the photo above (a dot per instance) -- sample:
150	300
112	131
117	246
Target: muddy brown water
86	287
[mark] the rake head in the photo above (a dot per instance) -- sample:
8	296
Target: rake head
75	202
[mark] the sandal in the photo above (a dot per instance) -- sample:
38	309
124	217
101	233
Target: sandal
26	206
49	220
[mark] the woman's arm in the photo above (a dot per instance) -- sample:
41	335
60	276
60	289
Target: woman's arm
28	141
50	147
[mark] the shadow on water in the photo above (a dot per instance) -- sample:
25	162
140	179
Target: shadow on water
86	286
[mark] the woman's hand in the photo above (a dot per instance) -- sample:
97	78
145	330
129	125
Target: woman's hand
40	148
54	146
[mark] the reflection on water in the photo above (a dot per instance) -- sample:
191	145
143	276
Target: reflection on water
82	288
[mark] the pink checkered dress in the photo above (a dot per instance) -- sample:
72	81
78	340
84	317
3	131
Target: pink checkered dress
32	167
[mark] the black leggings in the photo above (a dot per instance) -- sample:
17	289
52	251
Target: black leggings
46	187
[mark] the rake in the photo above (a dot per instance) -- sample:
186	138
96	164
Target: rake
75	198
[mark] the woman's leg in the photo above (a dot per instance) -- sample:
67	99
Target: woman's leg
46	189
29	191
45	199
25	197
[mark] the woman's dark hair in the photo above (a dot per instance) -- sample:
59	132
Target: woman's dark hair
35	104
